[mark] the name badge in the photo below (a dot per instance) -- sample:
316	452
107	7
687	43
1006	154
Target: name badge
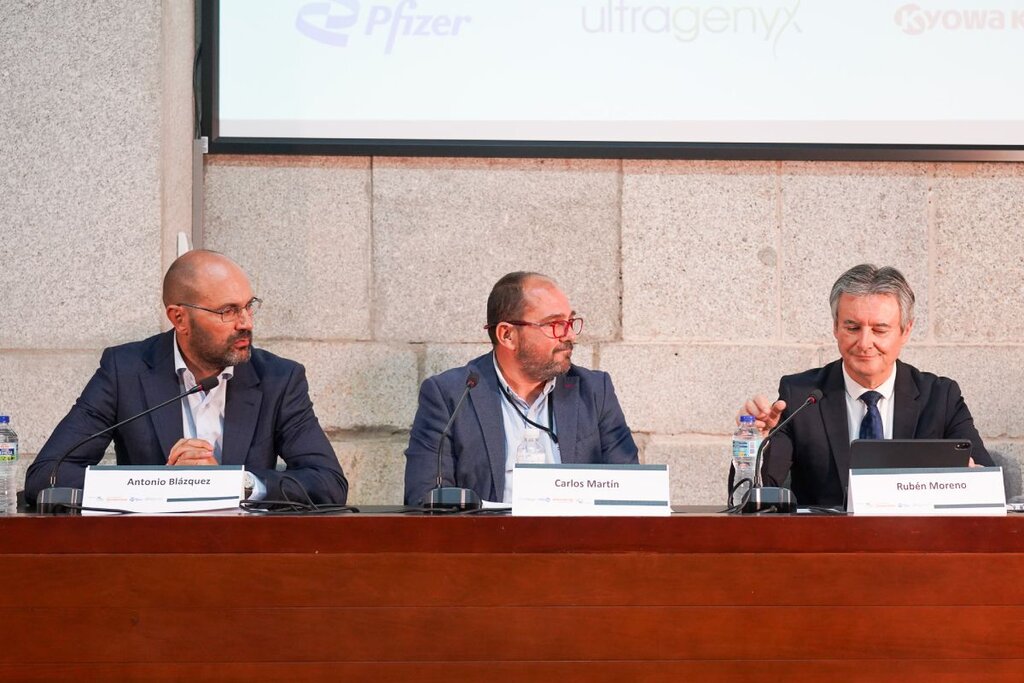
155	488
971	491
590	490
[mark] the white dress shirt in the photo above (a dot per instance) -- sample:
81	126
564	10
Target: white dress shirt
515	426
857	409
202	413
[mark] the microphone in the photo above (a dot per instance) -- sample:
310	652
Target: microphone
763	498
57	500
453	497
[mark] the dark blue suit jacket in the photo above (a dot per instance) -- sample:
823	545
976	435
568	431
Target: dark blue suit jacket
267	413
588	420
815	447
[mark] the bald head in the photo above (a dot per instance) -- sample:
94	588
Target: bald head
210	304
193	275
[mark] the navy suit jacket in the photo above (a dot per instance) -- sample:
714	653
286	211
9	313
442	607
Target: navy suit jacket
267	413
588	420
815	447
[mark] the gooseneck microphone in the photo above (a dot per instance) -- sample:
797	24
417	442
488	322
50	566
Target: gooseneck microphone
452	497
57	500
773	498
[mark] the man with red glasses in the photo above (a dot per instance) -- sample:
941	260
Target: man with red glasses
528	381
259	410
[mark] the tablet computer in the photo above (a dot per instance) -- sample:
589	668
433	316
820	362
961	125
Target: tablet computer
868	454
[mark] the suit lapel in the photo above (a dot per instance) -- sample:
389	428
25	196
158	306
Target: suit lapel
241	410
160	384
906	409
833	413
567	408
486	404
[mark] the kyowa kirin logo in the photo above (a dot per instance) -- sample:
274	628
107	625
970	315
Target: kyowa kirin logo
334	22
915	20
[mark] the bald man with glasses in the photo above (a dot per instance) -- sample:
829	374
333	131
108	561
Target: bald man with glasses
526	381
259	410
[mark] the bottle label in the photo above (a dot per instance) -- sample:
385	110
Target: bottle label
743	448
8	452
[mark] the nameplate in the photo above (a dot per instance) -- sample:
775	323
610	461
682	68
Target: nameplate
590	490
971	491
162	489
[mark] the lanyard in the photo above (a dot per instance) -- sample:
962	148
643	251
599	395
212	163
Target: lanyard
550	429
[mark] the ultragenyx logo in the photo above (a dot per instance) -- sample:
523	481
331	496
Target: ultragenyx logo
687	23
333	22
915	20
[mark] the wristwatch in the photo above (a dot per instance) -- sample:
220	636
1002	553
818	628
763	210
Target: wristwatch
248	484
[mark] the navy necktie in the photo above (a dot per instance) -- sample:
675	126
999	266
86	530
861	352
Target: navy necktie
871	425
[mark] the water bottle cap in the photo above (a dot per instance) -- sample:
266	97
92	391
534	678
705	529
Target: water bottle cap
4	419
531	433
746	419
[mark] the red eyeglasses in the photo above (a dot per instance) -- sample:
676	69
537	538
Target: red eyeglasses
559	328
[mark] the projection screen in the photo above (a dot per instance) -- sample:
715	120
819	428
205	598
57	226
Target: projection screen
643	78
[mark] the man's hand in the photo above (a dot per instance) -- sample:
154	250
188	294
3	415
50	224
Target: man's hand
766	414
192	452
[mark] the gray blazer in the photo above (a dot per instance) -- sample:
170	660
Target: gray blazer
588	420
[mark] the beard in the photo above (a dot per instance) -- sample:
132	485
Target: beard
541	367
209	352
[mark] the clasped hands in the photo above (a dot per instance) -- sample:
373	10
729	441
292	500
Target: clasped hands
192	452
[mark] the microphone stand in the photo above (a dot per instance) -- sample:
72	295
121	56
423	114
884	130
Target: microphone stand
772	498
443	497
58	500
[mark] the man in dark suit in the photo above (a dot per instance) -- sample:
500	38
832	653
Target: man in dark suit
260	409
526	382
869	393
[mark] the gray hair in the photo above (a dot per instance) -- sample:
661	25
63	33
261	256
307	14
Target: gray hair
867	279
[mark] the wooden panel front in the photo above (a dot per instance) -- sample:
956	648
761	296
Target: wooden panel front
661	671
511	599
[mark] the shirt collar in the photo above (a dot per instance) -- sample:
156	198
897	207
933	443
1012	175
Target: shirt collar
854	390
548	388
187	378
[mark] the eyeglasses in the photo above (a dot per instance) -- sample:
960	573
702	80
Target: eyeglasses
559	328
229	314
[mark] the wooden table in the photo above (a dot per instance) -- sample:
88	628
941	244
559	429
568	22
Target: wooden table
389	598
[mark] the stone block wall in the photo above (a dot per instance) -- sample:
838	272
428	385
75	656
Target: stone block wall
95	182
701	281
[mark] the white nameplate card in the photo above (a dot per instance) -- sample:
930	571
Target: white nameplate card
162	489
970	491
590	490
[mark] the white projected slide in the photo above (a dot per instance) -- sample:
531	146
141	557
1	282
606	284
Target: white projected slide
744	71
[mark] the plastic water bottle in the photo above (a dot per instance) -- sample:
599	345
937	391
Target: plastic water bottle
745	441
530	451
8	467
